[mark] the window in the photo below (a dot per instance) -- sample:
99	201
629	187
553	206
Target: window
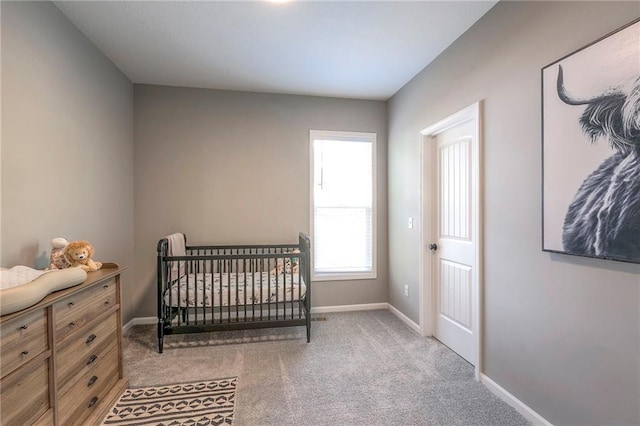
343	205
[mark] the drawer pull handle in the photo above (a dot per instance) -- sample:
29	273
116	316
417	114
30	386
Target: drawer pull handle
93	401
72	324
92	359
105	286
24	327
92	381
70	304
24	353
90	339
106	303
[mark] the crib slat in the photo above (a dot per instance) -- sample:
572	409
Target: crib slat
244	269
179	297
277	285
300	288
220	267
192	269
228	290
203	310
261	284
236	287
253	290
166	274
213	290
269	291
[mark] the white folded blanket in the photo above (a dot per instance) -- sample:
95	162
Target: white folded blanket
176	247
176	244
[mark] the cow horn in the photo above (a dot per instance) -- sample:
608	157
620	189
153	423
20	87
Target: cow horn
564	96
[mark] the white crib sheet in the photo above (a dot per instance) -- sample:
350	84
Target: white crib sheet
229	289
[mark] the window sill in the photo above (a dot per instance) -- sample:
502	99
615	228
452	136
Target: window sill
344	277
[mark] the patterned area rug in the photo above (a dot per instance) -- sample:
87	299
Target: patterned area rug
197	404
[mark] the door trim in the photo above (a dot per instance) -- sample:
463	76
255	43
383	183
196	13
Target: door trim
427	217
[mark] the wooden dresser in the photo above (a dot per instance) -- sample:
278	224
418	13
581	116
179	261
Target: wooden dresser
61	359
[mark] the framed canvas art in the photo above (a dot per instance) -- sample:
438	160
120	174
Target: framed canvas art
591	149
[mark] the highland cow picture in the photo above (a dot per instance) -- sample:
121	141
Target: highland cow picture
591	149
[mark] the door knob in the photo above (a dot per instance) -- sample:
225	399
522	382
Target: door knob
433	247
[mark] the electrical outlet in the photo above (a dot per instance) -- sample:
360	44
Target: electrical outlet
410	223
406	291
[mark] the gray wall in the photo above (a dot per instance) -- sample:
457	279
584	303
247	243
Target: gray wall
67	141
561	333
233	167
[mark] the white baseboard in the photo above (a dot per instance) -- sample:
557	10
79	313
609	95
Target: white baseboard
348	308
139	321
526	411
367	307
405	319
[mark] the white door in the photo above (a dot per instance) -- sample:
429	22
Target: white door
454	246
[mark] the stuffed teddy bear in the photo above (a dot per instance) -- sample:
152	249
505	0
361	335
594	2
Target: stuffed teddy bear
57	259
79	253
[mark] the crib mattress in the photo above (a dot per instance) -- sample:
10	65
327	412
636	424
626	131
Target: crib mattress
216	290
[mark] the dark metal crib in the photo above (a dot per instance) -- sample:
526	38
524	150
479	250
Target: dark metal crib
233	287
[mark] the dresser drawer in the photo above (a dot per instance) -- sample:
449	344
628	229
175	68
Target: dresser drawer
46	419
71	313
80	354
24	394
22	340
89	391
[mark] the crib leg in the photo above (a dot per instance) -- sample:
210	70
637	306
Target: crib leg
308	313
160	337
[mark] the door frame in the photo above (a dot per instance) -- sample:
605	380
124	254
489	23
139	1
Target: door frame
427	217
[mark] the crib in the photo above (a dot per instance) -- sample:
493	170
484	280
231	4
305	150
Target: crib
232	287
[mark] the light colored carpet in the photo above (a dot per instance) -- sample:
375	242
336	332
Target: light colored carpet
361	368
208	403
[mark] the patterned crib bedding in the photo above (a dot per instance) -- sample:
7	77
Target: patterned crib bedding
229	289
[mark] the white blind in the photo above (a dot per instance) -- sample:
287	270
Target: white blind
343	205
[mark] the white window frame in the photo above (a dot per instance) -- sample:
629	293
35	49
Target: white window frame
346	136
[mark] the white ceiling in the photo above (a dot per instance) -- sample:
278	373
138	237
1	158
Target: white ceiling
362	49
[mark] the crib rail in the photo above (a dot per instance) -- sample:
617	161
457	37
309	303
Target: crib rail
220	287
